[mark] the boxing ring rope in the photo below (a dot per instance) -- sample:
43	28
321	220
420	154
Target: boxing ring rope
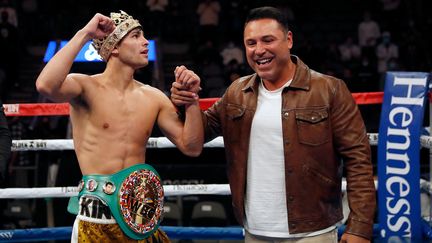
62	109
61	192
154	142
228	233
67	144
220	233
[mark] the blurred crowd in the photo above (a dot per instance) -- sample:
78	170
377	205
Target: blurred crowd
357	41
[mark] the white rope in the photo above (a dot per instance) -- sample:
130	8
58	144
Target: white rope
170	190
373	138
426	141
59	192
158	142
35	192
67	144
40	144
426	186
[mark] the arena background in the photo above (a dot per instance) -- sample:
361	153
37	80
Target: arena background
320	29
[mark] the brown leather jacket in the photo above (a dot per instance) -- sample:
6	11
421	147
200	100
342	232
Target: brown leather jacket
322	127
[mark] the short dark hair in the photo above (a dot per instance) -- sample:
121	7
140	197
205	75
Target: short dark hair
268	13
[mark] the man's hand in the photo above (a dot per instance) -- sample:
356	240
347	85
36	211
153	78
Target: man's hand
350	238
188	79
184	90
99	27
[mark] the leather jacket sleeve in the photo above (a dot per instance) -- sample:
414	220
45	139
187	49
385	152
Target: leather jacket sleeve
352	144
212	120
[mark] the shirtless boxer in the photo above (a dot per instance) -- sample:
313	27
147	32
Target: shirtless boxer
112	118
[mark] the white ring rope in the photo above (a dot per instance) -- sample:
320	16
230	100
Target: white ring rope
426	141
373	138
58	192
67	144
159	142
170	190
154	142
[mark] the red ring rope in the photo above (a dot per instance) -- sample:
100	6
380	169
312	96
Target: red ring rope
53	109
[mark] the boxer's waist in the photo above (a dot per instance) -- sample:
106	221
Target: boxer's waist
134	197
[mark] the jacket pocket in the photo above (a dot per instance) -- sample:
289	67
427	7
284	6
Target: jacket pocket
313	126
321	178
324	188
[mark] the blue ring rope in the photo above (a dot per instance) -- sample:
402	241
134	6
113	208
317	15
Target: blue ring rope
173	232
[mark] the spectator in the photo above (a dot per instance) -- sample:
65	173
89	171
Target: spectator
349	50
368	31
386	51
233	71
208	11
12	17
232	52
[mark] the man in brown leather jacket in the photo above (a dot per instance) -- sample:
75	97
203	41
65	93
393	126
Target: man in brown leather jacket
288	132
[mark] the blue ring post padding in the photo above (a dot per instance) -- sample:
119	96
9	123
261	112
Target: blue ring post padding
375	233
427	230
173	232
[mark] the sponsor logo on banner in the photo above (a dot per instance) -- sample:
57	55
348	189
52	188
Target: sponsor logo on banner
22	145
399	154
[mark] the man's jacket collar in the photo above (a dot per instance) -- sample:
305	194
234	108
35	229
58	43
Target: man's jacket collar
301	78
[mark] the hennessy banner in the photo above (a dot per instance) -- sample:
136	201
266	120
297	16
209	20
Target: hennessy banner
399	154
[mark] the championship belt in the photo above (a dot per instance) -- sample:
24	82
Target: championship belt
134	195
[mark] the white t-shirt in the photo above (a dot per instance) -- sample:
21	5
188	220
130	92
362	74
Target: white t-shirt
265	201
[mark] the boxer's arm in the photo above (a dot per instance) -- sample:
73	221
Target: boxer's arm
53	81
187	135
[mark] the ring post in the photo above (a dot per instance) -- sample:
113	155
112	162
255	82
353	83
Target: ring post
399	155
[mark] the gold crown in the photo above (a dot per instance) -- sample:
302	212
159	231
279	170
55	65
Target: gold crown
123	24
